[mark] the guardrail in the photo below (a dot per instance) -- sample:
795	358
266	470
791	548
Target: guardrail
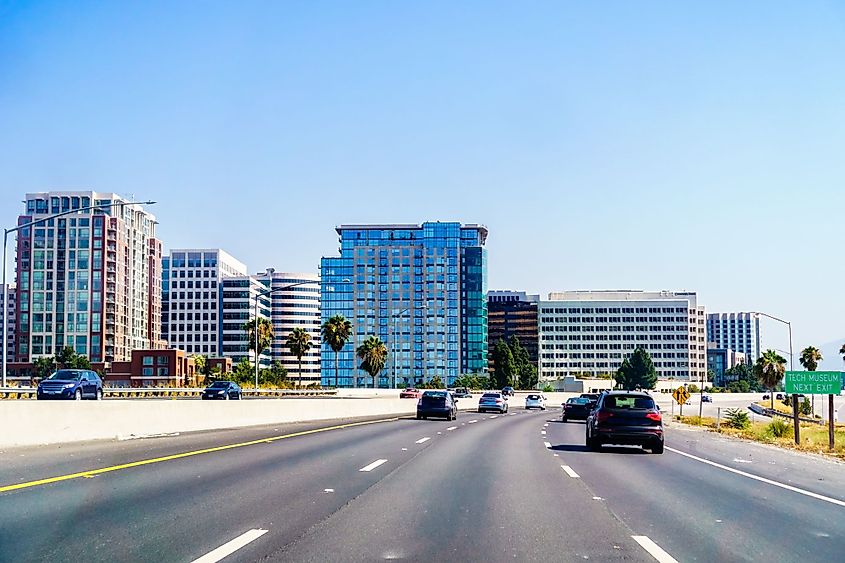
171	392
755	408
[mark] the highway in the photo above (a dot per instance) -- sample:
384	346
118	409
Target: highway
519	487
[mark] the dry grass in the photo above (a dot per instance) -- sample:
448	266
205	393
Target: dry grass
814	437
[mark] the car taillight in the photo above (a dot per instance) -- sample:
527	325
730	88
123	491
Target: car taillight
499	401
654	416
602	416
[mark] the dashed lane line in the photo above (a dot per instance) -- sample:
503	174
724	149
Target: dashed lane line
547	444
654	550
422	440
569	471
452	428
373	465
231	546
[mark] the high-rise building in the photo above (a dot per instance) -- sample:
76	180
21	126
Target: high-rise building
512	313
192	308
87	280
7	305
294	307
420	288
238	304
590	333
739	332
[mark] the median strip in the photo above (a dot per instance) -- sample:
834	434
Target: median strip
99	471
232	546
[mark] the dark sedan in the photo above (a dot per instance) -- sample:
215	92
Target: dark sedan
625	417
222	390
576	408
437	403
75	384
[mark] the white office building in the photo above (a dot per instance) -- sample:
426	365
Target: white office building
191	303
590	333
294	307
739	332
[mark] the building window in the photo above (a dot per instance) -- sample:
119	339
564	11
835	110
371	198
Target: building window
162	360
147	371
148	361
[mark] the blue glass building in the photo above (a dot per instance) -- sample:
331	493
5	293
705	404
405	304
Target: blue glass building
420	288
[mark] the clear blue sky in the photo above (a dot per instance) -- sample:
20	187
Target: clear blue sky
653	145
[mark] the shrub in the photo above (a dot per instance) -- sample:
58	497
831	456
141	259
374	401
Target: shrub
693	388
778	427
547	388
806	407
737	418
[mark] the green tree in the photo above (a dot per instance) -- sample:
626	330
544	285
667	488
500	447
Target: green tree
637	372
67	358
744	372
265	335
525	372
810	358
769	370
842	352
373	355
243	372
740	386
336	333
299	343
42	367
505	366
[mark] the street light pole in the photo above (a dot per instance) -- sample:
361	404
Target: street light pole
393	343
255	319
796	424
31	224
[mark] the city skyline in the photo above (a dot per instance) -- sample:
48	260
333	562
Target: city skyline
641	148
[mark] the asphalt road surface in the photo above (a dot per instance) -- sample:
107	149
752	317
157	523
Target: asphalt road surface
519	487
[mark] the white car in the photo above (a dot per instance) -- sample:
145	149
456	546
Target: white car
535	401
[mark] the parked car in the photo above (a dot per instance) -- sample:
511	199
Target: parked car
706	399
410	393
222	390
462	392
508	391
493	402
535	401
576	408
75	384
437	403
625	417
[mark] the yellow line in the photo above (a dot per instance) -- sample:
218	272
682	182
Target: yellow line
92	472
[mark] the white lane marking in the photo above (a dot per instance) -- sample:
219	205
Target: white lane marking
422	440
569	471
597	498
547	444
543	432
513	414
373	465
404	449
439	433
452	428
557	455
742	460
654	550
494	416
473	421
232	546
761	479
328	490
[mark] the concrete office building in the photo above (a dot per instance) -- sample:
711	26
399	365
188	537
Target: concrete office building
589	333
87	280
7	305
422	289
294	307
736	331
512	313
720	360
191	304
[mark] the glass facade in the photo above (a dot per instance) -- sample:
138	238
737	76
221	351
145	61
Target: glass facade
420	289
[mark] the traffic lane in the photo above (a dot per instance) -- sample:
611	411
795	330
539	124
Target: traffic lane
490	492
180	509
28	463
734	518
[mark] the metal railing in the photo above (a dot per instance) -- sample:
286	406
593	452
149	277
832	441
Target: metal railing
170	392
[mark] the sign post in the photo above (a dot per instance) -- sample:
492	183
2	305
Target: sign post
814	383
681	395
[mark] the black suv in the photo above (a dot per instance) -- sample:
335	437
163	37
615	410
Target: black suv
625	417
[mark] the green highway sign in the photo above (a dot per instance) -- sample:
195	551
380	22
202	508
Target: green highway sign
813	382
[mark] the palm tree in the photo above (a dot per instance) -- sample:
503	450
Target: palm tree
810	358
769	370
373	354
336	332
265	335
842	352
299	343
